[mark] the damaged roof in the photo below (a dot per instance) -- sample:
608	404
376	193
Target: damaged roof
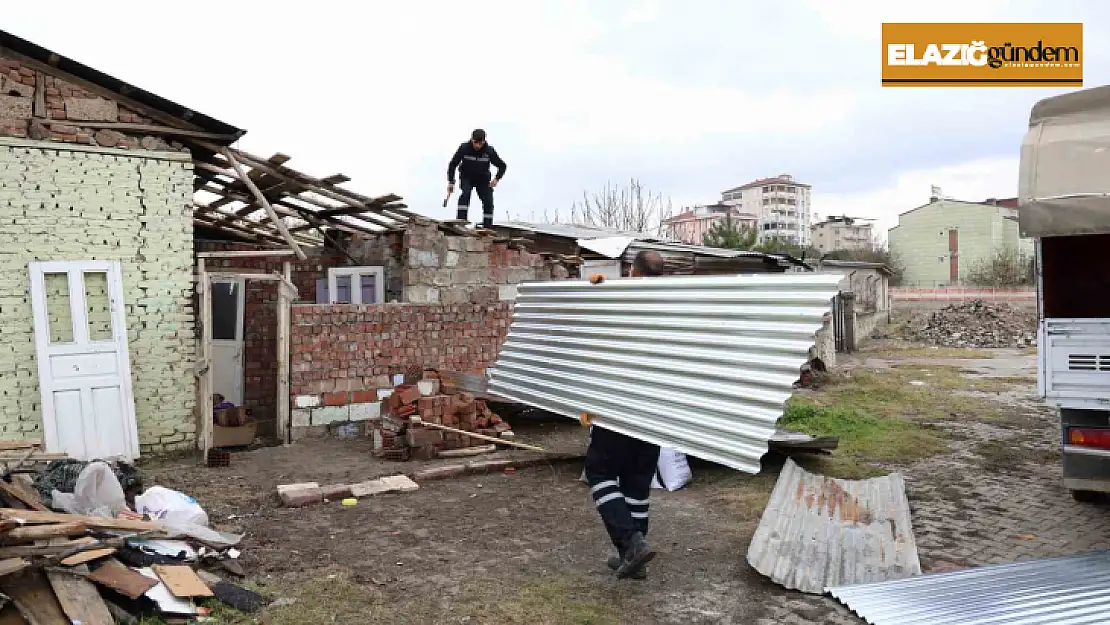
310	208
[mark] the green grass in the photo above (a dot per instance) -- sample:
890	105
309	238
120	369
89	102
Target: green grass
866	438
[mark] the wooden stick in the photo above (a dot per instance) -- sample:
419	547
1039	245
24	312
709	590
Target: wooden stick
204	438
283	329
42	532
36	517
482	437
245	254
150	129
278	223
466	452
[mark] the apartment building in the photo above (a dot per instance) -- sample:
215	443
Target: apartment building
692	225
841	233
781	205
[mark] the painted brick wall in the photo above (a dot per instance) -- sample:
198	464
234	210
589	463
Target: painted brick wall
260	319
69	202
353	348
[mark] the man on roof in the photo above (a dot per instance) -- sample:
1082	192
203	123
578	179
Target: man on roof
473	159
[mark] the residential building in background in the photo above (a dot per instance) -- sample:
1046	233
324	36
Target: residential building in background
780	204
693	224
938	243
841	233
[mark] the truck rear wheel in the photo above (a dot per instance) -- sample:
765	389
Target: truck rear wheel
1085	496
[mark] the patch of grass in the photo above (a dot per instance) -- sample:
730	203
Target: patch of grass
743	496
551	600
866	438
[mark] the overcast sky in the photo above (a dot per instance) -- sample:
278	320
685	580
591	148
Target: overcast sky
690	97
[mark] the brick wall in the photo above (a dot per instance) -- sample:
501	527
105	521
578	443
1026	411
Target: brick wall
260	318
71	202
58	114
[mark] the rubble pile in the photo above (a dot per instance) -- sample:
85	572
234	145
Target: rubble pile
98	550
975	324
396	437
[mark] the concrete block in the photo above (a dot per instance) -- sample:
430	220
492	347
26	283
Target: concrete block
485	466
92	109
334	492
420	437
393	483
450	259
14	107
301	418
366	412
507	292
306	401
330	414
298	495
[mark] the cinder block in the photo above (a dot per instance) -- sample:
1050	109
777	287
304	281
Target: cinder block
306	401
420	437
298	495
330	414
301	418
366	412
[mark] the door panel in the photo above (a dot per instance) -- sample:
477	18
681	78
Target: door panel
228	299
83	364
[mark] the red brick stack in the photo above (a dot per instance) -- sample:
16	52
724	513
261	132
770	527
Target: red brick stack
399	439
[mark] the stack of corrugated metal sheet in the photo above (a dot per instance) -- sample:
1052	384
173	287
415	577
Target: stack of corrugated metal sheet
703	365
818	531
1073	590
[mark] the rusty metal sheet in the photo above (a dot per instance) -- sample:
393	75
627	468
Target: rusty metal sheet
818	532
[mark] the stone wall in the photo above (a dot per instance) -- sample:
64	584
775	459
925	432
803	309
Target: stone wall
342	355
441	269
74	202
39	106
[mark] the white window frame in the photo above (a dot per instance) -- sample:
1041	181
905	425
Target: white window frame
356	286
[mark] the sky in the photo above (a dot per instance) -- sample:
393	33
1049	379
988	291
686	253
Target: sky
690	98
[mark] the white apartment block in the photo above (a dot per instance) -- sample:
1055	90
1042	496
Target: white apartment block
842	233
781	204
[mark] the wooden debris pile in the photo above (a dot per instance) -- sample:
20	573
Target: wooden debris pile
59	569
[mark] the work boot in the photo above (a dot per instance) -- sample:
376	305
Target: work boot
614	563
635	556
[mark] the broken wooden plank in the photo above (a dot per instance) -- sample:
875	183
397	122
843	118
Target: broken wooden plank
182	581
36	517
80	600
12	565
33	597
32	533
113	574
28	498
7	445
88	556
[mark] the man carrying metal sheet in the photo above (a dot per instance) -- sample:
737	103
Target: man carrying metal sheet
619	469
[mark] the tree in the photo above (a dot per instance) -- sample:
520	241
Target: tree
1004	269
730	235
775	244
878	253
631	209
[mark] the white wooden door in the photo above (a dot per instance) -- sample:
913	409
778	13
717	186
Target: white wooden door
88	409
228	300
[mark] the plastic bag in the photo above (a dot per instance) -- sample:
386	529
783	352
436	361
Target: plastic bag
170	507
97	493
673	472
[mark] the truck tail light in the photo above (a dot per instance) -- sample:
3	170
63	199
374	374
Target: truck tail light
1098	438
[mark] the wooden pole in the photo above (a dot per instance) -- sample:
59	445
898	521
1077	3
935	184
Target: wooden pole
278	223
483	437
283	329
204	436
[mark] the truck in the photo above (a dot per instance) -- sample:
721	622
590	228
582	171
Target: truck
1064	206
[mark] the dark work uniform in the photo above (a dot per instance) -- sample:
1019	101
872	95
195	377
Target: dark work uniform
473	166
619	469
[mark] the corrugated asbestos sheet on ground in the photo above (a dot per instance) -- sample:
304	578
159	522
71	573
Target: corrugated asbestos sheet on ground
701	364
818	531
1074	589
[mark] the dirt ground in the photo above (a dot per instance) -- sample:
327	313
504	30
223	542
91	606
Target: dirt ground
527	547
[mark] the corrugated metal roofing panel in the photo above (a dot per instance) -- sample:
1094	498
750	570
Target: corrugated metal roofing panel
699	364
1073	589
818	531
